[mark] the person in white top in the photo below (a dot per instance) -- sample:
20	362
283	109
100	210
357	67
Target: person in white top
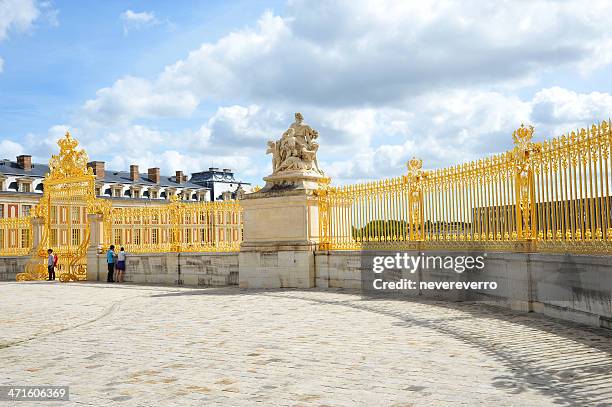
120	269
51	264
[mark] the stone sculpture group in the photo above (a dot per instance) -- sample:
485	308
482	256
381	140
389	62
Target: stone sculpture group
296	150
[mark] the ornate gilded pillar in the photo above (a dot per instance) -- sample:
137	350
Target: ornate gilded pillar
324	226
524	187
176	215
414	180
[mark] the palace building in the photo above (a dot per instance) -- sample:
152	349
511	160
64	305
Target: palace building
221	183
21	185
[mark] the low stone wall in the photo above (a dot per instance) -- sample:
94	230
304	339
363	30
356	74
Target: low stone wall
11	266
570	287
338	269
188	269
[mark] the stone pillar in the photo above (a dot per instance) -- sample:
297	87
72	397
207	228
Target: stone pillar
38	225
281	233
96	237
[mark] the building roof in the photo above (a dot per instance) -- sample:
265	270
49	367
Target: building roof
214	175
8	167
123	177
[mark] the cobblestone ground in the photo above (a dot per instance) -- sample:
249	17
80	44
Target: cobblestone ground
151	346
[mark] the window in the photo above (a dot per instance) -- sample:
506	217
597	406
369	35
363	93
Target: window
53	237
76	237
154	236
25	238
117	237
117	192
75	215
25	210
1	211
98	191
153	194
24	187
135	193
136	236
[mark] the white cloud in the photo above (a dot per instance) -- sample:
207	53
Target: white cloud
10	149
317	55
134	21
17	15
132	97
559	109
442	128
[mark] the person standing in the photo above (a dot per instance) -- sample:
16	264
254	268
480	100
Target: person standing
110	261
120	269
51	265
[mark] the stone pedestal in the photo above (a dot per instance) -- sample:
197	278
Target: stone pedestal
281	232
96	230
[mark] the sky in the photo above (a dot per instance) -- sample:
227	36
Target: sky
185	85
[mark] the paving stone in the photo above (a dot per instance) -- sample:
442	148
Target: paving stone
152	345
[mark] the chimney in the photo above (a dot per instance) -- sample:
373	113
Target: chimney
154	175
25	162
227	170
134	175
213	169
180	178
98	168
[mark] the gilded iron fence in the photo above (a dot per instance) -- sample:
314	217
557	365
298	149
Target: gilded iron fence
178	226
470	204
571	176
546	196
15	236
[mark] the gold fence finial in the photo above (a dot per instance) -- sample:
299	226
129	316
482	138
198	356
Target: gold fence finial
523	135
414	165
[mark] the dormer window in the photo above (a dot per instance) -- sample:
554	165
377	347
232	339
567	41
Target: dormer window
24	185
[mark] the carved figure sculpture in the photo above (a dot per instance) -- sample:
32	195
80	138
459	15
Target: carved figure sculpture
296	150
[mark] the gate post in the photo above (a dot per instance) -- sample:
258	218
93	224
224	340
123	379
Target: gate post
524	188
96	237
415	199
323	204
38	224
